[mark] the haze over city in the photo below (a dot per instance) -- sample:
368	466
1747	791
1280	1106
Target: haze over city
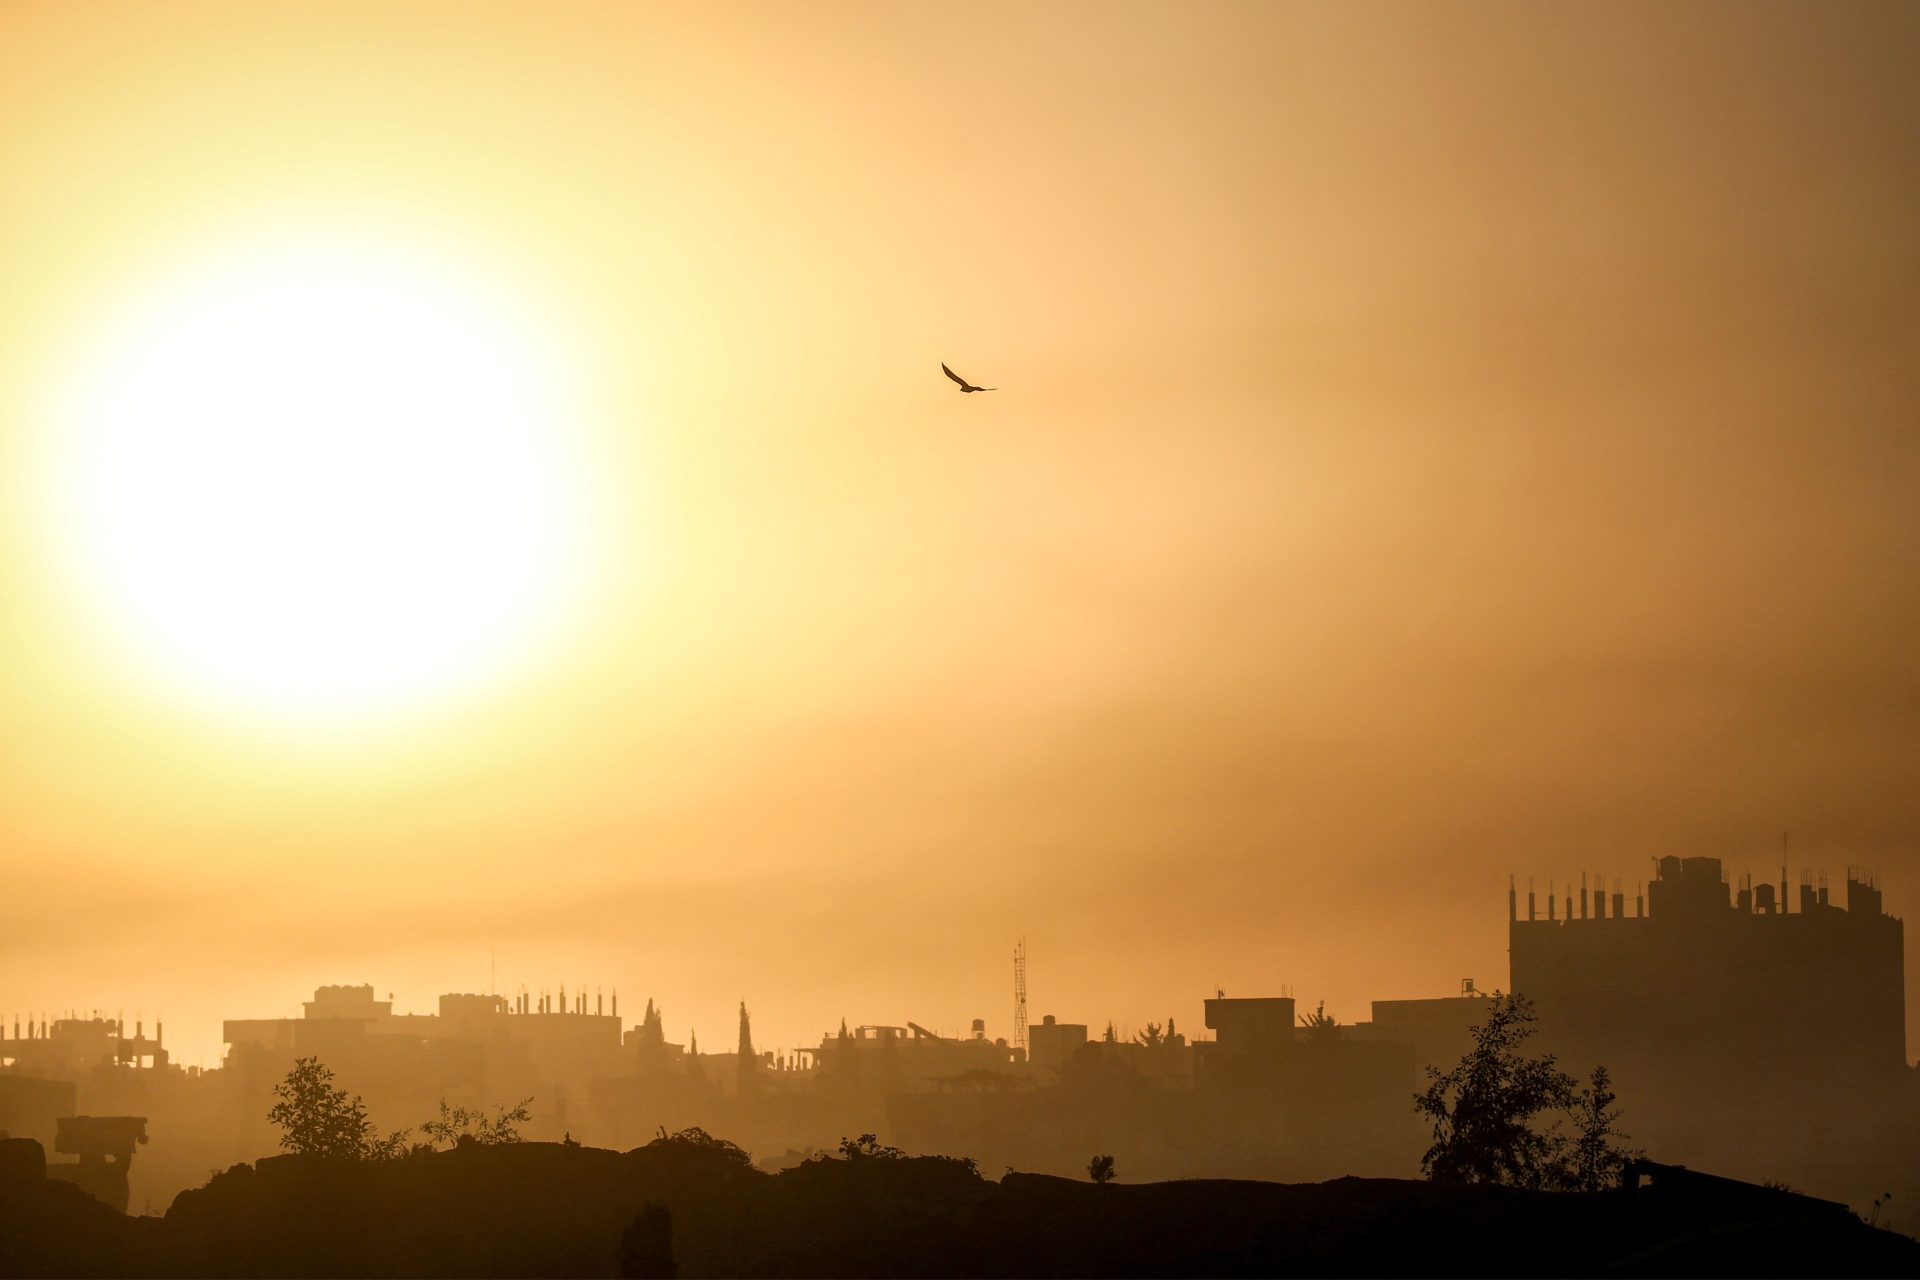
1429	443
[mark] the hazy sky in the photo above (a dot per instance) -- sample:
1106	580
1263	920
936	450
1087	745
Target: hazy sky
1433	441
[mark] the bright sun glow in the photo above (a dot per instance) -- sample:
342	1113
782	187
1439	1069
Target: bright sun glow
320	481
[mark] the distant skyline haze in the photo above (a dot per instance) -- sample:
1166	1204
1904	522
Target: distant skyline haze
477	499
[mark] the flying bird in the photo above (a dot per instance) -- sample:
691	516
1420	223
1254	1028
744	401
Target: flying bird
964	384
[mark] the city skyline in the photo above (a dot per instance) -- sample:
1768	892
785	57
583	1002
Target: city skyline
1696	1005
481	504
1525	902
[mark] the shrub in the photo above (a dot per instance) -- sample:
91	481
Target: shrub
317	1119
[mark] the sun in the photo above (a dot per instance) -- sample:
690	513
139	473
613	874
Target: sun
316	480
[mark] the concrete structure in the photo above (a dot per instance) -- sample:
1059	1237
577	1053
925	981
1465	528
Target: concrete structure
1726	1019
104	1147
1438	1031
72	1045
478	1050
1052	1044
1251	1036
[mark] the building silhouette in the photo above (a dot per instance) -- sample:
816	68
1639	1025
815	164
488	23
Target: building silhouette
1733	1025
1747	1032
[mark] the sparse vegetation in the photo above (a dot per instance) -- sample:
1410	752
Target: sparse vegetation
1320	1024
1158	1037
1593	1161
456	1125
1489	1114
867	1147
699	1139
599	1212
316	1119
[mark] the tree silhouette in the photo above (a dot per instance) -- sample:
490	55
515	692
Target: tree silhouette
698	1139
867	1147
650	1049
317	1119
745	1063
1320	1024
1152	1038
1593	1161
456	1125
1100	1169
696	1074
842	1065
1483	1110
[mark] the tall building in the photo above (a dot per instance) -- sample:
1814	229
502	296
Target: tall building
1727	1021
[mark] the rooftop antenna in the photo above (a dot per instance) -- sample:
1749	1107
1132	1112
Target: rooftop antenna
1020	993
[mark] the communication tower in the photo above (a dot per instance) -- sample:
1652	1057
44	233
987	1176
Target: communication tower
1020	994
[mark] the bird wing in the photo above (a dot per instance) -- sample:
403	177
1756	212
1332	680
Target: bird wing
951	374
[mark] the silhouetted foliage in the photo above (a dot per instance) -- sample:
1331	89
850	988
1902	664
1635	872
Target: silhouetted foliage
1156	1037
391	1147
1100	1169
698	1139
1483	1110
455	1125
538	1209
317	1119
1487	1111
1320	1024
1593	1161
867	1147
646	1246
869	1153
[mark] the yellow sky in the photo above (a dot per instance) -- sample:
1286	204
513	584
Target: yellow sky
1433	441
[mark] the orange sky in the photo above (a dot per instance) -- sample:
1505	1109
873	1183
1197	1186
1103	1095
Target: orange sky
1433	441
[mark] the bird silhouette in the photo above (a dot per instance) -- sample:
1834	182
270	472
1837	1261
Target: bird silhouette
964	384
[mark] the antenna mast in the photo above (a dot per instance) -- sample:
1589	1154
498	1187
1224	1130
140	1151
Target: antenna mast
1020	993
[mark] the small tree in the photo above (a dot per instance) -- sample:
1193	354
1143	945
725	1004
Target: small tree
1594	1162
456	1125
1100	1169
1152	1038
867	1147
1320	1024
317	1119
1483	1110
698	1139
